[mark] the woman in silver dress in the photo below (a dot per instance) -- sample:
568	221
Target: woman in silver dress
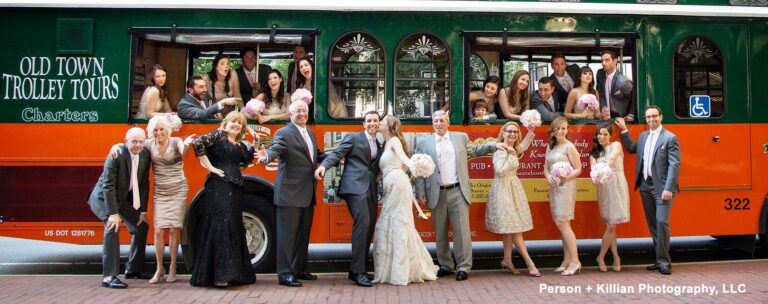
562	191
613	195
507	212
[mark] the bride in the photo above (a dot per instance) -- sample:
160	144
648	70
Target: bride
399	255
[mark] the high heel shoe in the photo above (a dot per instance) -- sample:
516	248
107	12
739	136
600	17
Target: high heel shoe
616	264
560	269
509	267
158	276
171	276
569	272
601	265
532	271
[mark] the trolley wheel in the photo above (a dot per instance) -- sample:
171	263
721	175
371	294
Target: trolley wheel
260	230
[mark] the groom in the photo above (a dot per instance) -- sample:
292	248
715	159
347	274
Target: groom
358	188
446	192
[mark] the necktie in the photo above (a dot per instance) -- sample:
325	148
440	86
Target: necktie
566	85
373	147
608	84
135	181
250	77
305	134
648	156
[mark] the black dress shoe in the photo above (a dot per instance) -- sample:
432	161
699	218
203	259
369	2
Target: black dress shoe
653	267
352	276
290	281
665	270
443	272
305	276
137	276
461	275
361	279
114	283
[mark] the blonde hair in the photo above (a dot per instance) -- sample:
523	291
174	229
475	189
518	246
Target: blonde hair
553	127
516	145
393	126
235	116
161	121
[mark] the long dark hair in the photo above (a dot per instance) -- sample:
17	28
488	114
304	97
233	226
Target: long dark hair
591	87
268	98
552	128
525	95
300	79
497	81
597	148
213	77
164	88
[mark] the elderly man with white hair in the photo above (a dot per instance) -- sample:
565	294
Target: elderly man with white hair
296	149
121	194
447	194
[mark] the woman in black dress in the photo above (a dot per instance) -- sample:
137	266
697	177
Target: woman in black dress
221	253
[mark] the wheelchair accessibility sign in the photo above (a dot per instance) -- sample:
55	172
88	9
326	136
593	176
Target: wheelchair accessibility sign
699	106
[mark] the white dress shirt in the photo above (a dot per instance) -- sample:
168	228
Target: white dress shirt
446	160
649	152
565	81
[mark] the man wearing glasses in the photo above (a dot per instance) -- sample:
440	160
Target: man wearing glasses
656	174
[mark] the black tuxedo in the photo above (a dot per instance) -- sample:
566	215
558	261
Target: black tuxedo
246	90
111	195
561	95
294	196
359	189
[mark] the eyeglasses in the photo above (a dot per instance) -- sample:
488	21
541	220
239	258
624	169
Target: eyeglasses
511	131
652	116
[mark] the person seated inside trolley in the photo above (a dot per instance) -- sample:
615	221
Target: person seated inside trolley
480	111
275	98
515	98
195	105
252	77
154	101
583	85
222	82
489	94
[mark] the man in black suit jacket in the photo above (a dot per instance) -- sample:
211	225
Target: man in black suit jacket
195	104
119	195
246	74
562	79
296	149
361	152
618	101
544	102
298	52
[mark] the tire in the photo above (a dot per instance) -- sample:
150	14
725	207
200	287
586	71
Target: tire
260	230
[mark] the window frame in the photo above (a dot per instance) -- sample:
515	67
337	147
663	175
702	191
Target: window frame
674	79
330	86
448	80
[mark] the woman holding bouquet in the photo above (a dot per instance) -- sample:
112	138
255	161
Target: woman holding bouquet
583	85
399	255
507	212
612	195
275	98
561	167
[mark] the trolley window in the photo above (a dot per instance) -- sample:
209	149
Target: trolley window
699	77
422	76
357	76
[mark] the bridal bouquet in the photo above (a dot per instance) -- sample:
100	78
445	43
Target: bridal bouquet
601	173
303	95
174	121
422	165
252	107
560	170
530	119
588	101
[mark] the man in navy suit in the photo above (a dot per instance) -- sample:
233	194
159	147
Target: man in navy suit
656	174
563	79
251	82
361	152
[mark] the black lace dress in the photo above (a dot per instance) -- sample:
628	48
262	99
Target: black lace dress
221	252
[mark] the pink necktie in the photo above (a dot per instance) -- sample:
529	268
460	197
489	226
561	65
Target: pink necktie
135	181
566	85
373	147
309	144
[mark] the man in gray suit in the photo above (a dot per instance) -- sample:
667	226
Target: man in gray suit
544	101
656	174
358	188
296	150
195	104
121	195
615	89
446	192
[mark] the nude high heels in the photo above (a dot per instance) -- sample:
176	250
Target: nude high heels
571	271
509	267
601	265
616	264
158	276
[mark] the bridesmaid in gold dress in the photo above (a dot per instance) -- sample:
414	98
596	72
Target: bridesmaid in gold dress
562	199
507	212
222	83
170	191
613	196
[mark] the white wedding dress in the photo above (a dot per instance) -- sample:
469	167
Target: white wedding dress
399	255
